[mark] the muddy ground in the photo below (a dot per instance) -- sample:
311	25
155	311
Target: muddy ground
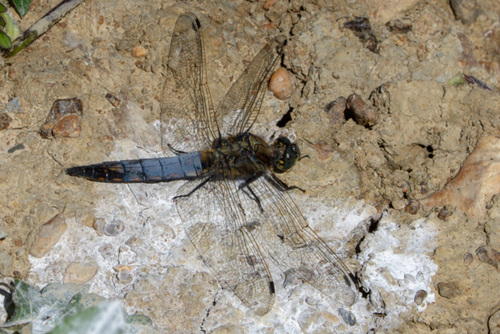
429	69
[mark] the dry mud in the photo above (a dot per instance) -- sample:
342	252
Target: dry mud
424	265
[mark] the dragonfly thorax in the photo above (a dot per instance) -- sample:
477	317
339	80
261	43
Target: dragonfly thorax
285	153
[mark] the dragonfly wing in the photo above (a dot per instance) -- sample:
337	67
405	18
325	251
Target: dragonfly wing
296	246
187	109
219	231
241	105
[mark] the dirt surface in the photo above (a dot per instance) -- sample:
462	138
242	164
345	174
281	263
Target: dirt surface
430	71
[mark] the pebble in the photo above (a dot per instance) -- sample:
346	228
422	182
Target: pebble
420	296
362	113
68	127
113	100
412	207
113	228
5	121
444	213
139	52
124	277
123	273
468	258
448	289
475	184
80	273
348	317
64	118
14	106
466	11
281	84
483	256
48	235
335	110
269	4
106	250
98	225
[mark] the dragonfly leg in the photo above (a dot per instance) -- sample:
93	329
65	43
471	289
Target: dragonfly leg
281	185
251	194
192	191
176	152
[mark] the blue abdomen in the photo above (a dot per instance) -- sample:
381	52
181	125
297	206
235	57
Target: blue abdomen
185	166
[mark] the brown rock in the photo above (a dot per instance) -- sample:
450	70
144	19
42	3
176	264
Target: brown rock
61	109
448	289
281	84
362	113
4	121
476	183
335	110
80	273
69	126
420	296
48	235
139	52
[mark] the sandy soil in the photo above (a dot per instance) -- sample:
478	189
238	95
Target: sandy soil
424	266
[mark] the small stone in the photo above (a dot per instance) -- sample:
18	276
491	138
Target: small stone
362	113
281	84
483	254
98	225
335	110
269	4
420	296
48	235
466	11
468	258
80	273
448	289
113	100
124	276
348	317
114	228
67	127
412	207
139	52
106	251
14	106
398	204
330	317
444	213
4	121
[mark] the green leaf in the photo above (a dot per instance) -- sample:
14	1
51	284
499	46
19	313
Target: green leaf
5	41
3	9
11	28
22	6
26	298
103	318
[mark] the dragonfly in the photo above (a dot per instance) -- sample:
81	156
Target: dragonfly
232	197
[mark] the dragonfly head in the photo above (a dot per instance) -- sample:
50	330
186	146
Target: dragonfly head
285	154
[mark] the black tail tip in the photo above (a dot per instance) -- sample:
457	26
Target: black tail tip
73	171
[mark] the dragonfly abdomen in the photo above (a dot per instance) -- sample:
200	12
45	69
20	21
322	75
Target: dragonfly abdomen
184	166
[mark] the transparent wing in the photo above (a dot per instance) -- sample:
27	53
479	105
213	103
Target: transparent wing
220	233
187	110
294	245
241	105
